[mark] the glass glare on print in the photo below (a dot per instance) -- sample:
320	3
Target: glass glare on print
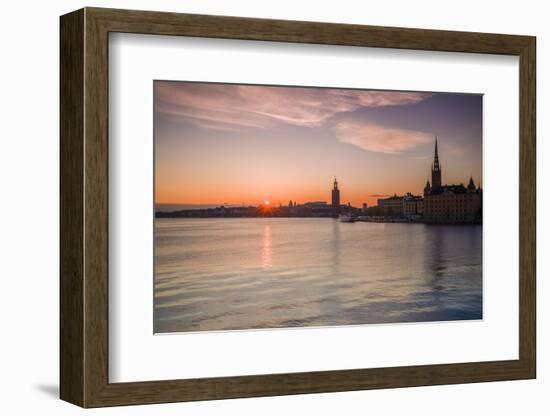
284	206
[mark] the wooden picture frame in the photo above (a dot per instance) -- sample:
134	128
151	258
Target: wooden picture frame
84	207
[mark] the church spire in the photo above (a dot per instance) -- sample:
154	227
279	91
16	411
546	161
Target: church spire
436	169
335	184
436	155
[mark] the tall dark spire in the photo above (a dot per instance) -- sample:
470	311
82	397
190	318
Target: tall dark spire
436	169
436	155
335	184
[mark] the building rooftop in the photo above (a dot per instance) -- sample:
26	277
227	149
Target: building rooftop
455	189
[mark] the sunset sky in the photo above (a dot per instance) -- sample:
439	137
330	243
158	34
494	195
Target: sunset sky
245	144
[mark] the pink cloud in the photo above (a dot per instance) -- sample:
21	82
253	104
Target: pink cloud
376	138
234	107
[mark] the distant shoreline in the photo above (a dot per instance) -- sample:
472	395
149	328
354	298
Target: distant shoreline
364	219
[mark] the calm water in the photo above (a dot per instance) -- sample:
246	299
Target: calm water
220	274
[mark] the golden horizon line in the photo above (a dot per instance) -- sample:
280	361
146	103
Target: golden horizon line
320	198
272	201
419	191
285	201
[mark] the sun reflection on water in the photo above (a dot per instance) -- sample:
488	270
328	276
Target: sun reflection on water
267	248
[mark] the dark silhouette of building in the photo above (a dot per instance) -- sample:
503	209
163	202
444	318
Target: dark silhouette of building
392	206
450	203
413	206
319	208
406	206
335	199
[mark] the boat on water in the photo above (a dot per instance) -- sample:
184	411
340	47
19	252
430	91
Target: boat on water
347	217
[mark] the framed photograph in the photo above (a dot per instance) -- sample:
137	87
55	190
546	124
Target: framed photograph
255	207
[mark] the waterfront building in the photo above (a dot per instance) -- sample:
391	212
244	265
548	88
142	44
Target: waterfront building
335	199
450	203
413	206
407	206
392	206
319	209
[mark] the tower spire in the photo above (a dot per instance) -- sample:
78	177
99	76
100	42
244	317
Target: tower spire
335	199
436	169
436	155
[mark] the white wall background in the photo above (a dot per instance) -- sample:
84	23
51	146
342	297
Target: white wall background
29	210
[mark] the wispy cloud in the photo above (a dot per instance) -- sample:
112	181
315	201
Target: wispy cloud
376	138
237	107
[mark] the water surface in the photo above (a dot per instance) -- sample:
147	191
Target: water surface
223	274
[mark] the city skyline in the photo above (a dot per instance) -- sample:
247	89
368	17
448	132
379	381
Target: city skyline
247	145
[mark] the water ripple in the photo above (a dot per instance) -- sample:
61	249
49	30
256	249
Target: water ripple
213	274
